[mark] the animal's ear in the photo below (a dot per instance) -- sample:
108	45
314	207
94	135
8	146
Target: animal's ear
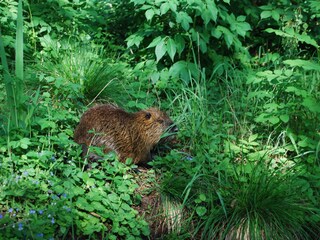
148	115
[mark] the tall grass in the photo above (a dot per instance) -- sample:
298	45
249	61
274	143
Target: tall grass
14	85
242	197
89	67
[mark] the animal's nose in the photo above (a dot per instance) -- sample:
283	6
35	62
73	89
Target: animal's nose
174	128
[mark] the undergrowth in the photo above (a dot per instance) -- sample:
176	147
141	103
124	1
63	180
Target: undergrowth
245	164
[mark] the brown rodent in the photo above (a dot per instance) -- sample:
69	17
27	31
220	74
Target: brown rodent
130	135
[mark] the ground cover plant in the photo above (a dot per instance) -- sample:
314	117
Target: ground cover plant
241	79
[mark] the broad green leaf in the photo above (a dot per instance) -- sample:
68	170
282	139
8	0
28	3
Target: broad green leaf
213	11
290	33
164	8
173	6
171	48
155	42
312	104
180	43
273	119
265	14
242	28
201	211
253	137
297	91
160	50
149	14
284	118
228	37
275	15
98	206
215	32
134	40
305	64
184	19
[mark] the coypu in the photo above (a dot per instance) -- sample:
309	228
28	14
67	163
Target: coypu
130	135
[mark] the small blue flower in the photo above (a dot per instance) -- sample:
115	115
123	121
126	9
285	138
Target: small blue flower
10	210
52	220
32	211
64	195
20	226
25	173
1	216
39	235
40	212
67	208
53	158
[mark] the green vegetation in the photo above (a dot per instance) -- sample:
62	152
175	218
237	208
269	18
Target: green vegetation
240	79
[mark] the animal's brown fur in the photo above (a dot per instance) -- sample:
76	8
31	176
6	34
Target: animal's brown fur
130	135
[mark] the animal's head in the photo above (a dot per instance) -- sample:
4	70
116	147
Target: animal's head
156	124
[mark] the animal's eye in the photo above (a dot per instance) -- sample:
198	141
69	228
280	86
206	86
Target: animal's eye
148	115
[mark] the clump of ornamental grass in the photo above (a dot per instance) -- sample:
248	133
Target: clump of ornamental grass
262	204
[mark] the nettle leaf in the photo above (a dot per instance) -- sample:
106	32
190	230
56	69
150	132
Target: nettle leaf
164	8
276	14
134	40
206	16
311	104
265	14
212	10
184	19
284	118
171	48
305	64
160	50
173	6
155	42
228	36
273	119
297	91
180	43
149	14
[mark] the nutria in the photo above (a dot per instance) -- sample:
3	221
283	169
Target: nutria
130	135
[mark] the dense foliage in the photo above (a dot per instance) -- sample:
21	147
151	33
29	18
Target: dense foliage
240	79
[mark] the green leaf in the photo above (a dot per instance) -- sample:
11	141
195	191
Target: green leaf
305	64
160	50
164	8
273	119
213	11
275	15
171	48
253	137
201	211
180	43
184	19
155	42
98	206
149	14
134	40
265	14
284	118
312	104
